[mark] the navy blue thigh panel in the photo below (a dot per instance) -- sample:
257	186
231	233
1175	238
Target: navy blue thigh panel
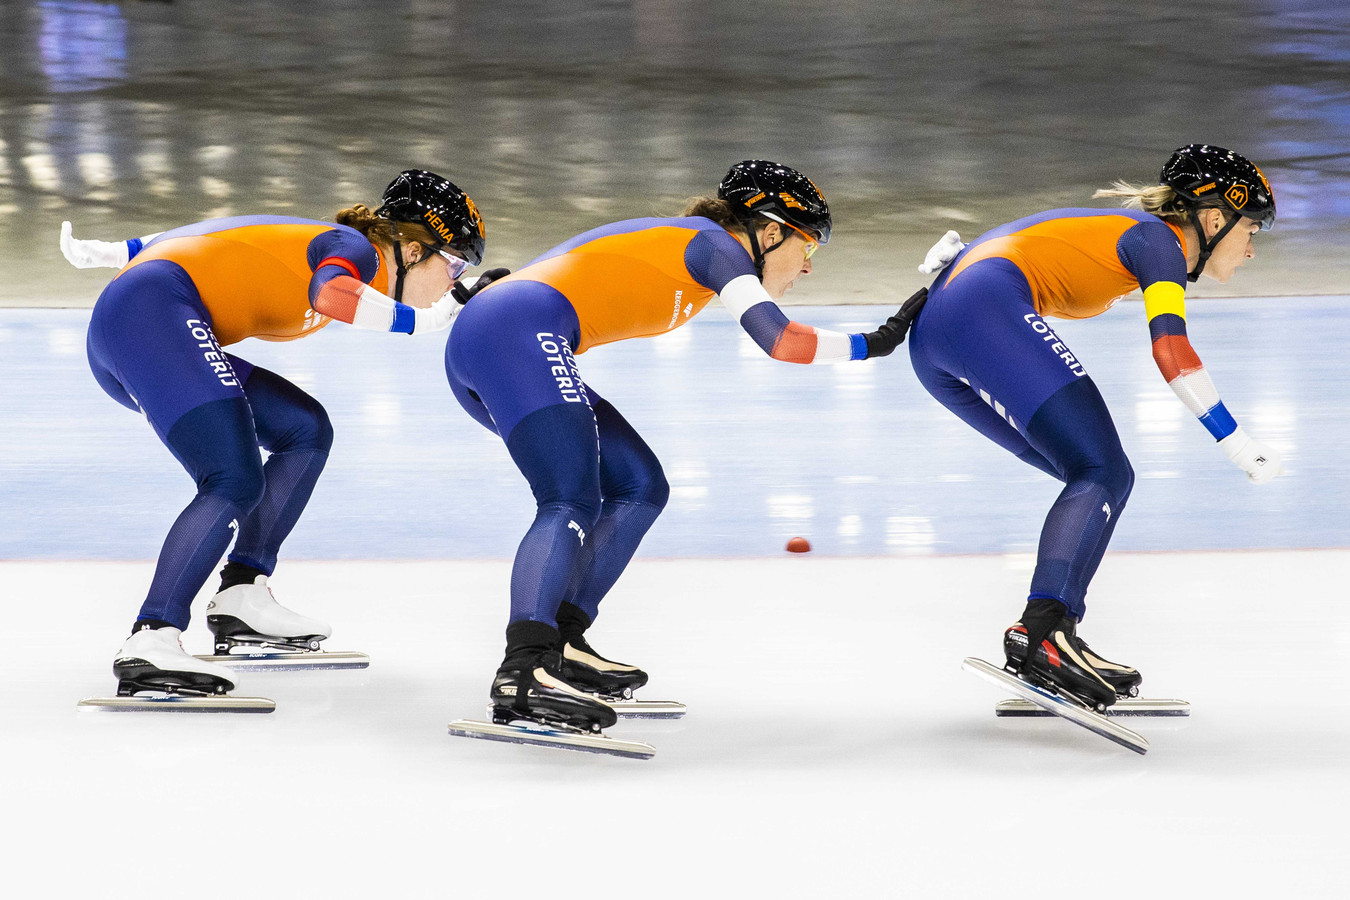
151	346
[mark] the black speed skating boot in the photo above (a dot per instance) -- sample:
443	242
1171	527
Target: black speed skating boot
530	685
1058	662
588	670
1123	678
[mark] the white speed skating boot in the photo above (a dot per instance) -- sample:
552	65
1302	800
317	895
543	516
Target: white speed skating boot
153	659
248	615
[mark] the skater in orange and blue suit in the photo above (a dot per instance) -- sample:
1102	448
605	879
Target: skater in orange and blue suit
511	361
156	345
983	349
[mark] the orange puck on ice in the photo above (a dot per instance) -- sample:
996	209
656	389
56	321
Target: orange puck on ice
798	545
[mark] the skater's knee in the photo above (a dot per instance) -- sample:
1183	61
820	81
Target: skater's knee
582	508
286	417
241	485
1116	476
651	488
313	429
1110	469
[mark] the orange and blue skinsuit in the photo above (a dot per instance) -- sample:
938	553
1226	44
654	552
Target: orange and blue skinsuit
511	364
155	344
983	349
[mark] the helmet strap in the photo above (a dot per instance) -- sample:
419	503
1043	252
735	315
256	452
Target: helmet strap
755	252
1207	247
400	270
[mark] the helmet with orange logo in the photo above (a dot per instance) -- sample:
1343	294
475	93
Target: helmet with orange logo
433	202
757	187
1205	175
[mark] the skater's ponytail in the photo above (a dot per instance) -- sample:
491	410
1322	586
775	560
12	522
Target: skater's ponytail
1156	199
379	230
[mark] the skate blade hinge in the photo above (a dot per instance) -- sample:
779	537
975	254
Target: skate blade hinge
1131	706
289	660
180	703
540	736
1059	706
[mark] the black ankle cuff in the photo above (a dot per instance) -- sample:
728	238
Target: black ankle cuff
1044	609
1040	618
237	573
150	625
572	622
528	639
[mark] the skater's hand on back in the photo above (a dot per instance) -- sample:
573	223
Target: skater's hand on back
464	290
891	333
1259	460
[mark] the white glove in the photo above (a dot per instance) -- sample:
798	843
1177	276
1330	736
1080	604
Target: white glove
438	316
92	254
1260	461
941	254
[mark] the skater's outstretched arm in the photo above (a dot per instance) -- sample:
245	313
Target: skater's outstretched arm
1152	254
94	254
717	260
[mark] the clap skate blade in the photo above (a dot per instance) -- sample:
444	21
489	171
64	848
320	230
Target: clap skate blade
259	653
1064	706
148	697
647	709
558	737
1121	708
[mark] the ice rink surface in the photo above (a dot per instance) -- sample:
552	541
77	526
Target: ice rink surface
833	746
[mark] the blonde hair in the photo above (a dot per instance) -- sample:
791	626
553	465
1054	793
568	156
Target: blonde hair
379	230
1157	199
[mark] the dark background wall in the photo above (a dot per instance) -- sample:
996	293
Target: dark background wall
556	115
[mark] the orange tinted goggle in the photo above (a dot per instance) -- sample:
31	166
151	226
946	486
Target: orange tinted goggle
812	245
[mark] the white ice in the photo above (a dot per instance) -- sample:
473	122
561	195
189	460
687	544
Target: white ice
833	746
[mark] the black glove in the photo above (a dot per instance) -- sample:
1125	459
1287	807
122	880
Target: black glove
891	334
462	293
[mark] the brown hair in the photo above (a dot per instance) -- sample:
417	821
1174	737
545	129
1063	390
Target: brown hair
1158	199
719	211
379	230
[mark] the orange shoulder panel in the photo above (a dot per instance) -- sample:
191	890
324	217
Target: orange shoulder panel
624	285
254	280
1070	263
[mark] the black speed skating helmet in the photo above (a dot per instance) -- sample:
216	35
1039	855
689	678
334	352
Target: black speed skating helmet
433	202
782	194
1198	172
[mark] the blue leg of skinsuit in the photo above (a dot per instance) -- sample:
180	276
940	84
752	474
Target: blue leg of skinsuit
151	348
294	428
634	491
983	329
501	360
509	370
